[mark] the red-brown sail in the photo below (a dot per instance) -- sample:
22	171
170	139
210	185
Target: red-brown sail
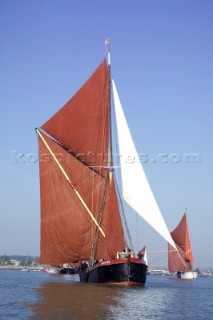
181	260
112	226
68	234
82	124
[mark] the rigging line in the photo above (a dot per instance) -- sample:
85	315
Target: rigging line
156	259
123	214
114	129
162	251
153	252
110	123
101	211
69	181
181	258
102	111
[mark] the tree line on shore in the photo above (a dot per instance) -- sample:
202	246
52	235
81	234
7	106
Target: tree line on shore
18	260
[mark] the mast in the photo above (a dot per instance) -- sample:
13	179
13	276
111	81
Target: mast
107	43
108	178
111	169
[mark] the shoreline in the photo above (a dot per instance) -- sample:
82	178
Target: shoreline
11	267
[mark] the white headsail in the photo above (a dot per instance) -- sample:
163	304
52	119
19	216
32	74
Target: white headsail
136	189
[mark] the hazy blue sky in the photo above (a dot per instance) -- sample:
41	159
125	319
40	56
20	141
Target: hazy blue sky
161	55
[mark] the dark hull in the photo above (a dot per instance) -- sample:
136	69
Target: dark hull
124	272
68	271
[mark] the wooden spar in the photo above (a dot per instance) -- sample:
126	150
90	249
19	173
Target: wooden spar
69	181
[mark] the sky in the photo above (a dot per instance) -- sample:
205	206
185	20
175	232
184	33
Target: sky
161	57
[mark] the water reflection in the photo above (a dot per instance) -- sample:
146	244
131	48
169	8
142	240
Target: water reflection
74	300
161	298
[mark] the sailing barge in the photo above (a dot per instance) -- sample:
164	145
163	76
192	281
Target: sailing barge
81	213
180	261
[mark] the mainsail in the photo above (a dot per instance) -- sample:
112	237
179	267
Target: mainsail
182	259
73	149
136	189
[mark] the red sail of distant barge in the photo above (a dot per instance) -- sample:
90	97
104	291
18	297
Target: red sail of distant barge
180	261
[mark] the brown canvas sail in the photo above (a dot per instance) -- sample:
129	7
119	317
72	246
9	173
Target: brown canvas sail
82	124
181	260
76	141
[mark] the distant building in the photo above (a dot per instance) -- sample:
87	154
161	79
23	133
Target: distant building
16	263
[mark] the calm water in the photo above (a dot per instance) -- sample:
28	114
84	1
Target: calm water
38	295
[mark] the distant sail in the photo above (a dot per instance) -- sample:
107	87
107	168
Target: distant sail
183	259
136	189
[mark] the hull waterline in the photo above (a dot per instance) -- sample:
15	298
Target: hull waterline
187	275
120	272
68	270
